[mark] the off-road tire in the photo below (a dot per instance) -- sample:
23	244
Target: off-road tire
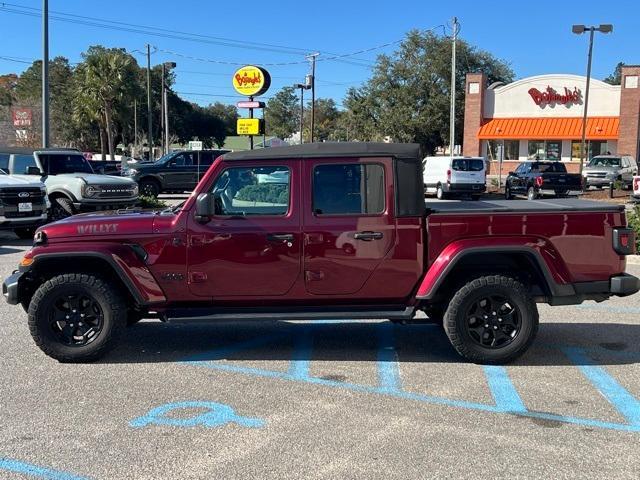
149	188
62	207
25	233
455	318
111	303
532	194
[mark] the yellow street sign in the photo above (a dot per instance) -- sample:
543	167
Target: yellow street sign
250	126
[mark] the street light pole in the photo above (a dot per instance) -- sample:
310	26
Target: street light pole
45	73
162	138
165	105
578	30
302	87
149	113
313	57
452	112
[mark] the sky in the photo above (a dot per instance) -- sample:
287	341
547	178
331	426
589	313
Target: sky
208	38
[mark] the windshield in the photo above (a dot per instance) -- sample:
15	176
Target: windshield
57	163
604	162
164	158
467	164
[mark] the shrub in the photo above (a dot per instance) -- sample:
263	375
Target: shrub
276	193
151	202
633	221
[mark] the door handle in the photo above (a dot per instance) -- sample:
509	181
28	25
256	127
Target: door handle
280	237
368	236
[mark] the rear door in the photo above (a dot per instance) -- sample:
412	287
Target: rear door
467	171
252	247
349	223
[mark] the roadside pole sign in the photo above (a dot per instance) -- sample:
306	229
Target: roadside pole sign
250	126
251	81
195	145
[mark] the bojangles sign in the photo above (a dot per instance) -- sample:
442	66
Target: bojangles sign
550	96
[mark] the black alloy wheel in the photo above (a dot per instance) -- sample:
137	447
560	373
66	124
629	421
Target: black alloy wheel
493	321
76	319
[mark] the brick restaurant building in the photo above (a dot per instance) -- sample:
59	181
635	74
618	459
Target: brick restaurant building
541	117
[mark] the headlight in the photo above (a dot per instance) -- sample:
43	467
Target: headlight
134	191
131	172
91	190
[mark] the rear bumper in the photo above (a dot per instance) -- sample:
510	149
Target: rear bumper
624	285
619	286
464	187
10	288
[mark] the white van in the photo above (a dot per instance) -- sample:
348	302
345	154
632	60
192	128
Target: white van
446	176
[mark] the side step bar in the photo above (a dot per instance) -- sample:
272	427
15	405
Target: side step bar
180	315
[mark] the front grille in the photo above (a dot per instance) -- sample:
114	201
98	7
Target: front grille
596	175
109	191
11	197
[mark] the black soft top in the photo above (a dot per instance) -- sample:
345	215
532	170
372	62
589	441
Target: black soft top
407	165
331	149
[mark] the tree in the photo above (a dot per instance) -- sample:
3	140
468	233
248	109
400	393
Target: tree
282	115
407	98
616	77
227	113
106	79
326	123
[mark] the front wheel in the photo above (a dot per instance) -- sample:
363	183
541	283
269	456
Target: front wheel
61	207
76	317
149	188
507	193
491	320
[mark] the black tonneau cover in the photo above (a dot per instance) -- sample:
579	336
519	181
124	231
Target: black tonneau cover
520	206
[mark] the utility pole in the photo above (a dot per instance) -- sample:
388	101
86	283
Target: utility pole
452	111
301	114
135	127
149	113
45	73
162	136
313	57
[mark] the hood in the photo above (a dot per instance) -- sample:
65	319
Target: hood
96	179
109	224
19	181
601	169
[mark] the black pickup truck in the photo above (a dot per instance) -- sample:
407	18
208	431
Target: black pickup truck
536	179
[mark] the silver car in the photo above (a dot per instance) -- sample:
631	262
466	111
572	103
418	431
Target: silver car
603	170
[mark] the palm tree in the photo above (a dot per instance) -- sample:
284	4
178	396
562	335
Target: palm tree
106	80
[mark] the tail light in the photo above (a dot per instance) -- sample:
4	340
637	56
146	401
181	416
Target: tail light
539	181
636	184
448	175
624	241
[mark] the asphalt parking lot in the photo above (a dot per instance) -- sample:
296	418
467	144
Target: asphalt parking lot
324	400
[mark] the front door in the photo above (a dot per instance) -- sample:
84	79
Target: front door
180	173
252	246
349	224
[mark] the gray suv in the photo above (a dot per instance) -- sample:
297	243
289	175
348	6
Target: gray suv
72	186
602	170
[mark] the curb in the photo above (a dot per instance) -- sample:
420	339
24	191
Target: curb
633	259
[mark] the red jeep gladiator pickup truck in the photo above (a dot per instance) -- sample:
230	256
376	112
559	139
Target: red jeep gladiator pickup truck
321	231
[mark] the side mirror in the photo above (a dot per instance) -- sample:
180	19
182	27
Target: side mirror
512	173
205	207
34	171
101	170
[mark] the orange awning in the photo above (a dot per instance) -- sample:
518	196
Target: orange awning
598	128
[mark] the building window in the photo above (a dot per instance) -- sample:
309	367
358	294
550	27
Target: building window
511	149
554	150
594	147
536	150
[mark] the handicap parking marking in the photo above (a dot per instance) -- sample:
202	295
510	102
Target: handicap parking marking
35	471
216	415
506	399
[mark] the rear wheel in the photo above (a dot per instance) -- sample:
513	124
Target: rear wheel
76	317
62	207
532	194
440	193
491	320
508	195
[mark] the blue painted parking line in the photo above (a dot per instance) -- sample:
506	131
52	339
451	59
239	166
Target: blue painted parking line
610	389
215	415
35	471
505	396
504	393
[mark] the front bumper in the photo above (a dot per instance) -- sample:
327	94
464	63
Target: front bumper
87	205
464	187
10	288
26	222
598	181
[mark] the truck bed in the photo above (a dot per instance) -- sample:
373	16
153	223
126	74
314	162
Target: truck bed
517	206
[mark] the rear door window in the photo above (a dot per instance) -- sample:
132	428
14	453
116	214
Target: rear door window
4	162
468	165
552	168
348	189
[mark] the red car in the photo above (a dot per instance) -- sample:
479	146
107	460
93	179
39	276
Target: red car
321	231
